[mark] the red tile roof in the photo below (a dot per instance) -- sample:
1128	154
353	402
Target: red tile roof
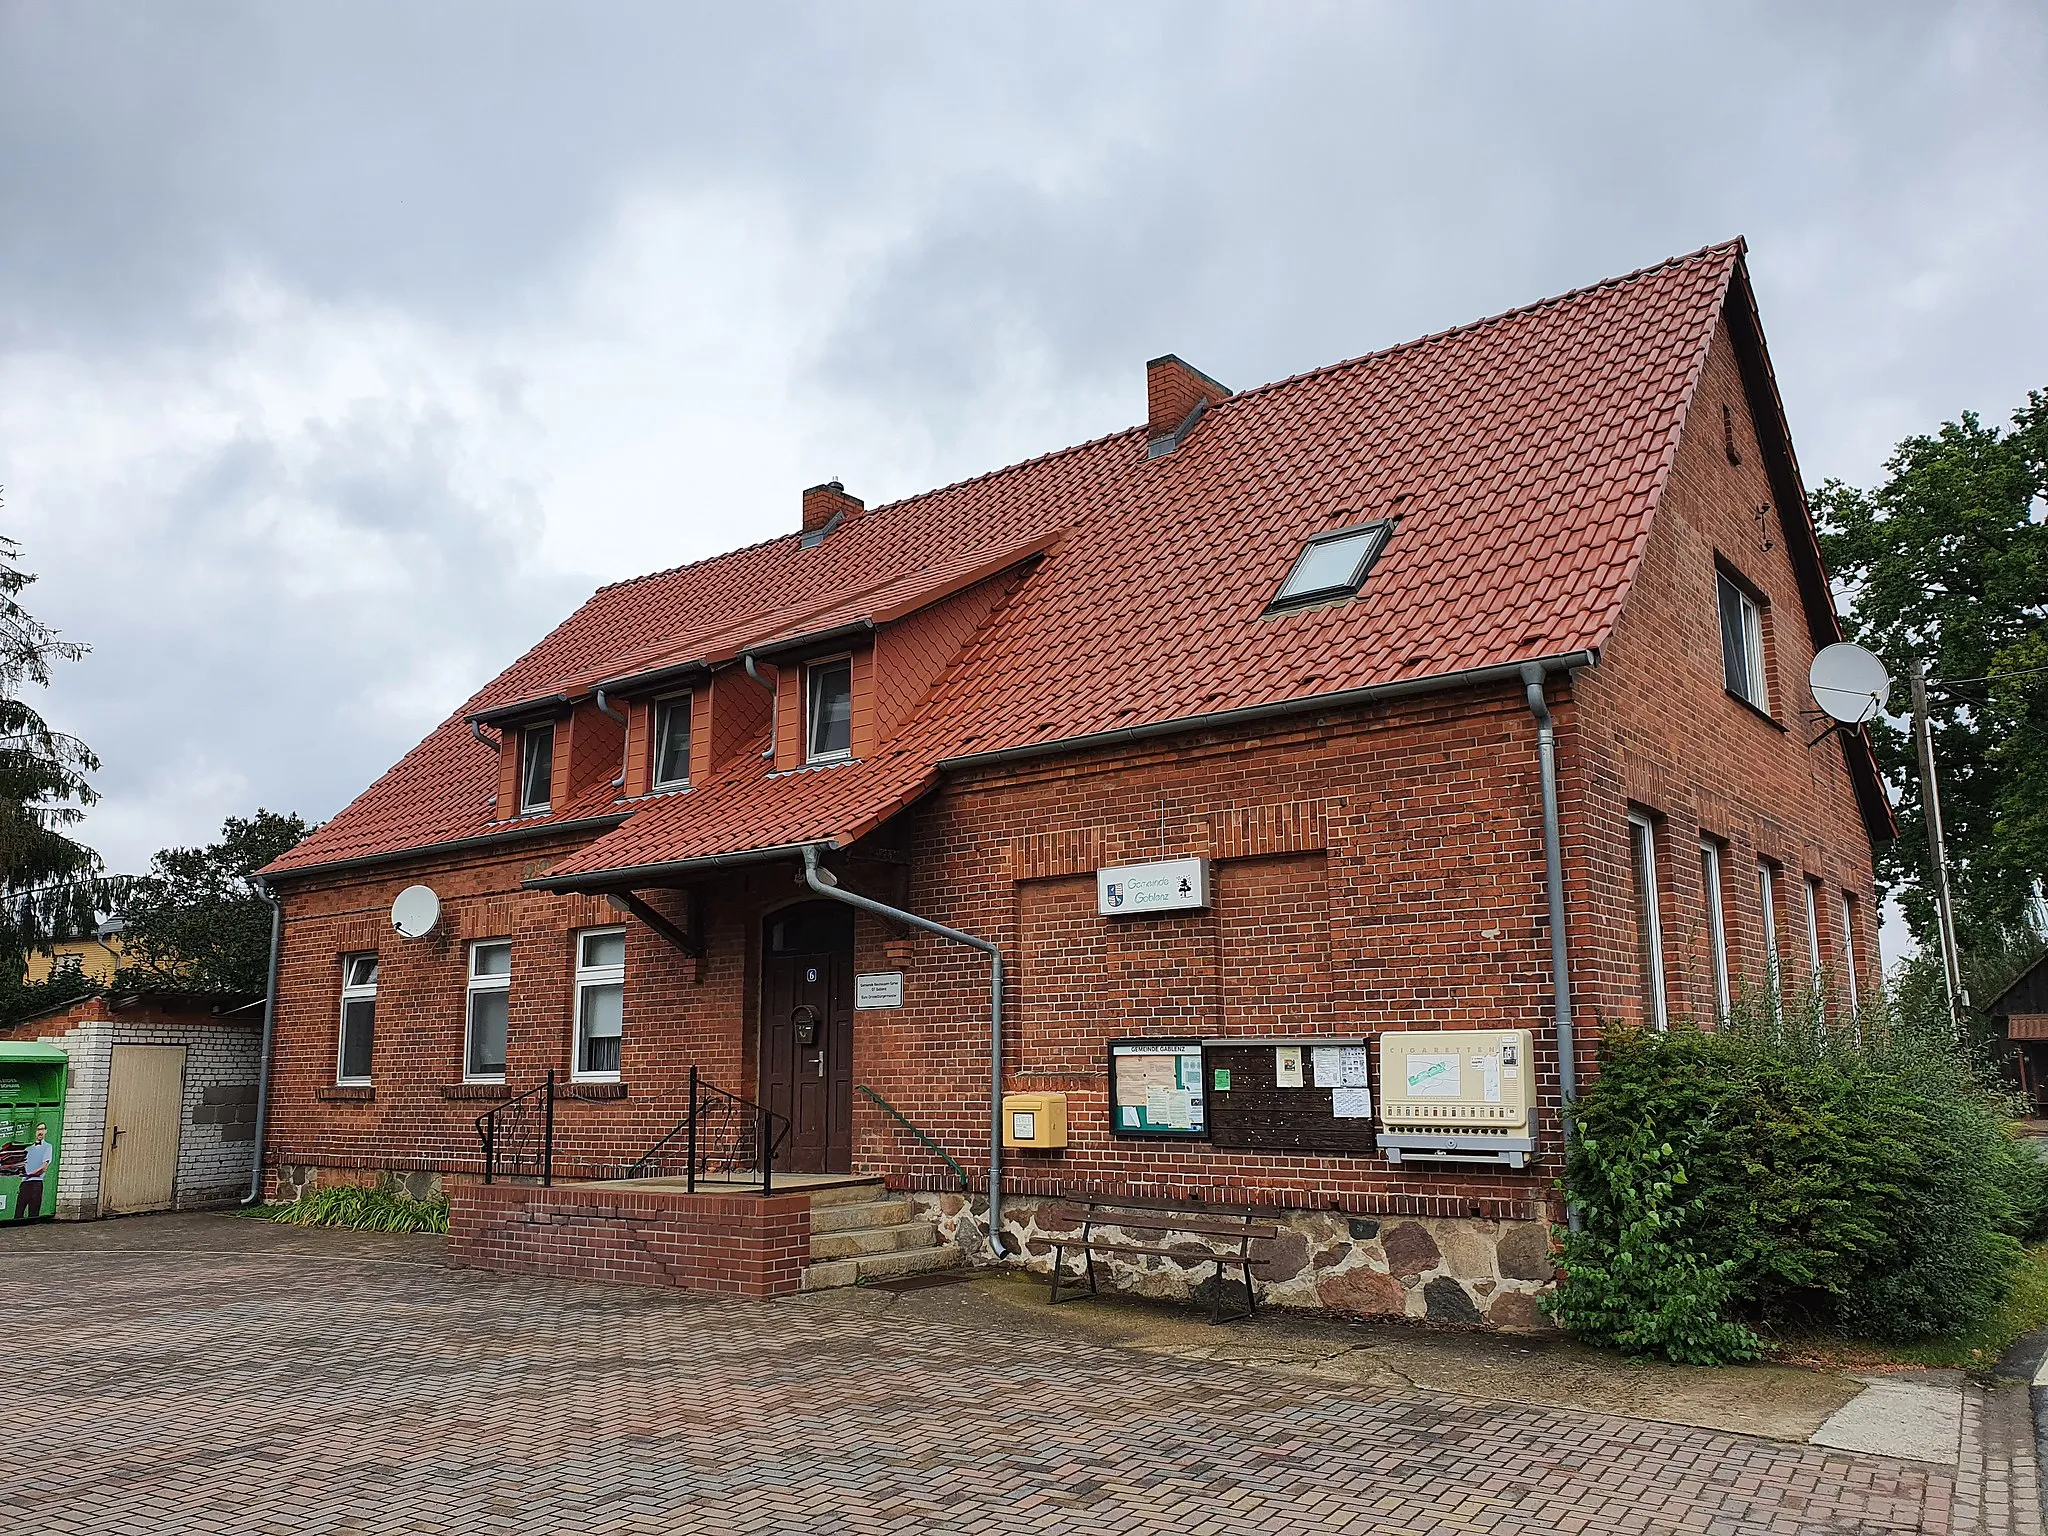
1522	456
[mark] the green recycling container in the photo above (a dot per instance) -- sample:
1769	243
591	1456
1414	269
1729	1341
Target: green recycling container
31	1129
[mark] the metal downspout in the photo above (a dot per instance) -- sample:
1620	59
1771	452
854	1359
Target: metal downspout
821	881
606	709
774	703
1553	872
269	1030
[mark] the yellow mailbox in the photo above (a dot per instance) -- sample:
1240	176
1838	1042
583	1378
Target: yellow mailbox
1034	1119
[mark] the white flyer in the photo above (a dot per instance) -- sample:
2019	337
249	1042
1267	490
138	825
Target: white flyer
1287	1066
1355	1067
1328	1061
1167	1107
1351	1103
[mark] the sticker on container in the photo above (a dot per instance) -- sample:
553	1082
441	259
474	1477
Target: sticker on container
1488	1068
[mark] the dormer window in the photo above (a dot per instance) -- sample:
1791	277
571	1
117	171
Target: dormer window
829	717
672	743
536	767
1332	565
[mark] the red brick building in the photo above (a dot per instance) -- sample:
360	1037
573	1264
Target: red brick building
1288	632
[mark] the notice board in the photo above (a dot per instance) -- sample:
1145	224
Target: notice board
1155	1089
1307	1094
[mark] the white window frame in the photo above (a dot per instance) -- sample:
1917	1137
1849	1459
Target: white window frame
660	716
527	736
1813	949
588	976
1642	834
812	671
1750	621
478	985
355	992
1717	922
1849	948
1767	901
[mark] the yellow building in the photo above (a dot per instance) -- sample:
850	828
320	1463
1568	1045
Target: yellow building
92	958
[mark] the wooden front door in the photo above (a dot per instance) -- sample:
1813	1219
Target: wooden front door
145	1104
807	1034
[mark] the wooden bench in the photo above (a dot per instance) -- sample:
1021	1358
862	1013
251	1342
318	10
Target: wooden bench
1229	1232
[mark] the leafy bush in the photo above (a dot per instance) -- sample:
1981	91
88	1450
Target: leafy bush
1789	1168
366	1210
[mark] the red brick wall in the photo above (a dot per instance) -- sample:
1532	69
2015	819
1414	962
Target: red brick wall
1664	736
740	1245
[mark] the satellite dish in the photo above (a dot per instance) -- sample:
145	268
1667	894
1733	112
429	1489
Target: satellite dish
1849	684
415	912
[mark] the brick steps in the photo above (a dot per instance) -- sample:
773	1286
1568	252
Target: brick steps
859	1233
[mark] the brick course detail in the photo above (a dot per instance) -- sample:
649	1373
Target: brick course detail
737	1245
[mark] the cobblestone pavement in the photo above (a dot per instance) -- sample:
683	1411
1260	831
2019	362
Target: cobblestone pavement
290	1390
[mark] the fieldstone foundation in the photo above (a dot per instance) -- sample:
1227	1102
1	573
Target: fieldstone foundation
1440	1269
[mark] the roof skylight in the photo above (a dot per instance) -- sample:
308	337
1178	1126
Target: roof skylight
1332	565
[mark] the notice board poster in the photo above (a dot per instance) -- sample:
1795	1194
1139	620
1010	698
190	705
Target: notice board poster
1156	1089
1302	1095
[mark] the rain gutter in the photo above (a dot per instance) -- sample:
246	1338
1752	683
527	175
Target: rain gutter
269	1034
1441	682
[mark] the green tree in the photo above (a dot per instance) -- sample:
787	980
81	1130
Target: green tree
196	922
50	881
1948	559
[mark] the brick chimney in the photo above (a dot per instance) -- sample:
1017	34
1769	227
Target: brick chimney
825	507
1175	394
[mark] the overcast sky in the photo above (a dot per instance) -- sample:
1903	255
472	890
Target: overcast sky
344	348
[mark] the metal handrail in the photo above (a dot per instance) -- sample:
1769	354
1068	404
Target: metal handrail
519	1135
721	1130
901	1119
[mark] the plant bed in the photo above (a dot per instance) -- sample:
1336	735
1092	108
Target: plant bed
361	1210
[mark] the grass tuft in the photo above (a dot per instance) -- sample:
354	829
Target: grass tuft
363	1210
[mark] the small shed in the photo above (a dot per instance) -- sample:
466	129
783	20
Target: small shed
2019	1021
160	1112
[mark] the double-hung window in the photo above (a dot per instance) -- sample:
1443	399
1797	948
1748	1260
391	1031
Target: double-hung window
672	743
536	767
1717	921
490	1005
1767	907
829	719
1813	951
600	1002
1849	948
358	1018
1642	851
1742	645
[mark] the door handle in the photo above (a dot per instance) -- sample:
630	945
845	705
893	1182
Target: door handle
117	1136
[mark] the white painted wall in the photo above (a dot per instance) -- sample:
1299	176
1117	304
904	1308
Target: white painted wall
213	1165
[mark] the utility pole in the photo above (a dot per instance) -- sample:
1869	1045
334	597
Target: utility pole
1930	797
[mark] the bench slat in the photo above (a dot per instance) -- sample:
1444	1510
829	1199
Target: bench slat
1232	1231
1170	1253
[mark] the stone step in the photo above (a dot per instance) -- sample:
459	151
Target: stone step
853	1193
866	1213
834	1273
864	1240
